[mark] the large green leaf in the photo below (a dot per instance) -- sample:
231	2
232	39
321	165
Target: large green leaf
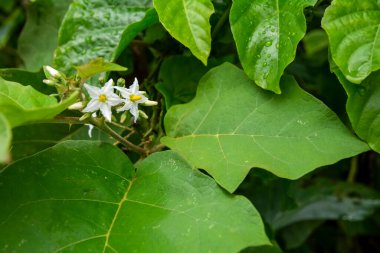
26	78
188	22
266	33
363	106
233	125
94	28
353	28
21	104
87	197
39	37
5	139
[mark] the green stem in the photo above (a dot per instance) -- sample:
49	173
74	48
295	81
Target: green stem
221	21
353	170
103	126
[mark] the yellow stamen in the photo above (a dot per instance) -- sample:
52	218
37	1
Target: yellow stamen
135	98
102	98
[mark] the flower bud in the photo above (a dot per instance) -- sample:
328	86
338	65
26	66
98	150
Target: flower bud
143	114
120	82
51	72
76	106
150	103
49	82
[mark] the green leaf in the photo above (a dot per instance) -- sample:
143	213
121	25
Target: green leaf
188	22
179	76
94	28
26	78
233	125
83	201
21	104
97	66
266	35
5	139
363	106
39	37
353	28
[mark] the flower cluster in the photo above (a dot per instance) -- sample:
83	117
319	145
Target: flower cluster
105	98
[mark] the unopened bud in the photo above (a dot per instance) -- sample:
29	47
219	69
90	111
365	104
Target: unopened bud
123	117
85	116
150	103
120	82
76	106
49	82
51	72
143	114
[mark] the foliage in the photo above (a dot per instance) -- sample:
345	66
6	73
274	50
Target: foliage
189	126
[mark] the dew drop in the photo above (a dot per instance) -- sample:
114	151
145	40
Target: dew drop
258	56
268	43
362	91
268	55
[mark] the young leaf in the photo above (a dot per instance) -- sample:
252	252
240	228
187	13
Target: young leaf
233	125
94	28
5	139
353	28
266	35
21	104
363	106
97	66
188	22
39	37
83	201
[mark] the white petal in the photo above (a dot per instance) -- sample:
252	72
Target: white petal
92	106
134	88
108	87
135	112
142	100
114	100
106	111
92	90
126	107
124	91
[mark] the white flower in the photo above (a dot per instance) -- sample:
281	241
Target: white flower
102	99
132	98
51	72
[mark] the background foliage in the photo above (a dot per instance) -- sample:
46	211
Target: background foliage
277	102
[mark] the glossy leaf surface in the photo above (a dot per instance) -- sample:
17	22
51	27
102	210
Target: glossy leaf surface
85	202
266	35
188	22
233	125
94	28
21	104
353	28
5	139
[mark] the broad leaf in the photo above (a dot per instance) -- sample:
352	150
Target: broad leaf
188	22
233	125
97	66
26	78
179	76
39	37
266	35
94	28
363	106
353	28
5	139
83	201
21	104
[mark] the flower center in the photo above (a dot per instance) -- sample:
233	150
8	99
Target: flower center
135	98
102	98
